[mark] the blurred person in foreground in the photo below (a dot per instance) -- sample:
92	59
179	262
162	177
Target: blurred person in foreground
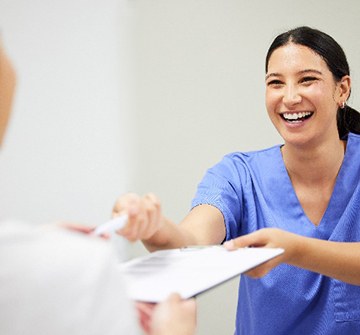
58	281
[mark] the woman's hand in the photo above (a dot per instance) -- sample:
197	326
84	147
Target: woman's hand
144	215
173	316
269	238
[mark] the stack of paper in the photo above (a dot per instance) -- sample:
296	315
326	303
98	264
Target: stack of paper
189	271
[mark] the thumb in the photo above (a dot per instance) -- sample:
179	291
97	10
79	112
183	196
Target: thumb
252	239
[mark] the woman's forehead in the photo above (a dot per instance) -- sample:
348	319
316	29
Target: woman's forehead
295	57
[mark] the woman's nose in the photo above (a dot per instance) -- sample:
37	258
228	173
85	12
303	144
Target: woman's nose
291	96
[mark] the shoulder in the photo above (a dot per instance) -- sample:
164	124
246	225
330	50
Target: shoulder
353	146
237	166
354	138
251	157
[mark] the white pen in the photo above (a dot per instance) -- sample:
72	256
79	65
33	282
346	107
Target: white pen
111	226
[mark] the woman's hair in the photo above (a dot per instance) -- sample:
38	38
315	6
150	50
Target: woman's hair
348	119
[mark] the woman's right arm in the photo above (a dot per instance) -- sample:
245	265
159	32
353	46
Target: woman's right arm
339	260
204	224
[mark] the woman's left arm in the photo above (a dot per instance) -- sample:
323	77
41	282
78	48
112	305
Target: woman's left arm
339	260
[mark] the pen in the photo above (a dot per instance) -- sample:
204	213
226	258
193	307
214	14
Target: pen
111	226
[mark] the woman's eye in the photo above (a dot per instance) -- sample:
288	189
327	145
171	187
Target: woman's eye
308	80
274	82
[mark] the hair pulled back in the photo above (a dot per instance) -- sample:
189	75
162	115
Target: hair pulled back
348	119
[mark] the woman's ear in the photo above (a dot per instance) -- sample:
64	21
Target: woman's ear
344	89
7	88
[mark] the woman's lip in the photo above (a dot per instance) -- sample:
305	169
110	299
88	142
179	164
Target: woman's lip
294	116
307	112
296	123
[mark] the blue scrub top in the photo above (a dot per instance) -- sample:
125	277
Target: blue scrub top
253	190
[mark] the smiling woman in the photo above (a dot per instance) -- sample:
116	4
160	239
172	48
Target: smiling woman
299	83
331	59
302	195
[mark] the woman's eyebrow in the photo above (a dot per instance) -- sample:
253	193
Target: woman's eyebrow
275	74
272	75
310	71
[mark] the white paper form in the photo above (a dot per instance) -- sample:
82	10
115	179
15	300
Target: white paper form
188	271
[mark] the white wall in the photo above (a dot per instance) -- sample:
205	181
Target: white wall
200	94
67	151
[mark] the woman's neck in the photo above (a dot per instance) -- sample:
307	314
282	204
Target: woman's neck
319	164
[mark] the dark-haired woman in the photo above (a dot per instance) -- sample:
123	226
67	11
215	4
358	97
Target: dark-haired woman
302	195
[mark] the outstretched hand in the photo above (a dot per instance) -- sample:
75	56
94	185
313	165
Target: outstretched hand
144	215
269	238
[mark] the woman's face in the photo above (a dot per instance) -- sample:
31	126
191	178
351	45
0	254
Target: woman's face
7	87
302	96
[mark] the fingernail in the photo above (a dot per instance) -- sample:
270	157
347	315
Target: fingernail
229	245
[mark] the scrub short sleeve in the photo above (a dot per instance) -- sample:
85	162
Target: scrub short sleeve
221	188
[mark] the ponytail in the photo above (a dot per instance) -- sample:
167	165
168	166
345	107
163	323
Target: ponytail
348	120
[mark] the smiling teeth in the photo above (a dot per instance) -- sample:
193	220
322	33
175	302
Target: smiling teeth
295	116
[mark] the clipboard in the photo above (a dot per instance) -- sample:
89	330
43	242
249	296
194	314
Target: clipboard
188	271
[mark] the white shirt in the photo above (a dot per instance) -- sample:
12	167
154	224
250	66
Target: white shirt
54	281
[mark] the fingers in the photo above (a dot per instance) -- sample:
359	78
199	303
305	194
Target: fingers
75	227
153	207
264	269
268	237
127	204
144	215
188	306
256	239
174	316
145	311
253	239
145	308
174	299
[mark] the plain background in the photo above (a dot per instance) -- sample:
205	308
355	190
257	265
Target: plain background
67	154
143	95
